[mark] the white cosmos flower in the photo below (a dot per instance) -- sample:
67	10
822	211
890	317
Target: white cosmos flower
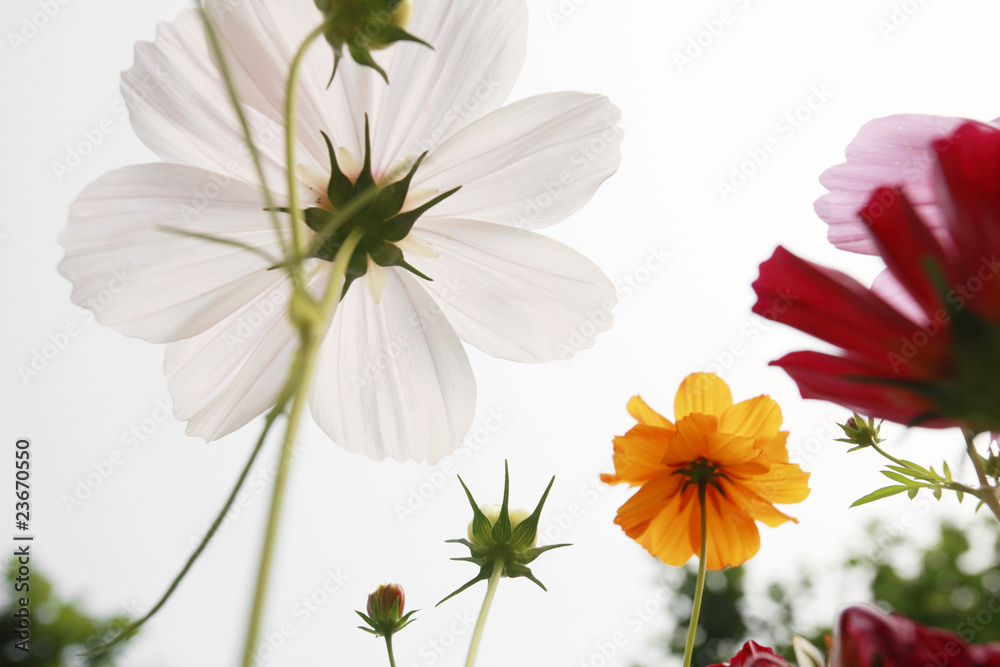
393	378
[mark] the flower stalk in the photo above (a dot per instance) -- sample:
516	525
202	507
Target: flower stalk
988	492
699	587
477	634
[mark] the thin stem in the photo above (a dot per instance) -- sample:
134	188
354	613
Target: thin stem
388	647
294	207
491	590
311	335
134	627
889	456
699	587
227	78
989	492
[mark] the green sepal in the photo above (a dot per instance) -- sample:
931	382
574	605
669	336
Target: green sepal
482	576
525	532
391	198
396	229
340	189
501	529
482	530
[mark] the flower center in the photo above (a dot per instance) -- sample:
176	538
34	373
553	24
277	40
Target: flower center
373	208
701	473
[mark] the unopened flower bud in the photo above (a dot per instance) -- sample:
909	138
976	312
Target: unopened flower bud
363	26
492	512
385	610
860	432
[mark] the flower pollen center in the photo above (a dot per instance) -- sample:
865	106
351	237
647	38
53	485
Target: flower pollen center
701	473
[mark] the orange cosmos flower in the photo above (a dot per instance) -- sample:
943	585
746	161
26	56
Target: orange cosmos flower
736	453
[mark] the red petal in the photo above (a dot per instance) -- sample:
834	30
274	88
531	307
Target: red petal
969	169
828	378
829	305
868	637
754	655
907	246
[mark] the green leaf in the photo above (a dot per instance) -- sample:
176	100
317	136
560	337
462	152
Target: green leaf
947	471
896	477
884	492
912	492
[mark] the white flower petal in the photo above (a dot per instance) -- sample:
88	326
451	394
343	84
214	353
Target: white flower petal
156	284
223	378
392	378
529	164
261	38
479	50
180	110
512	293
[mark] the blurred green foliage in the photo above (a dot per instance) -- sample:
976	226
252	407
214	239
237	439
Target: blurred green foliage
60	630
941	593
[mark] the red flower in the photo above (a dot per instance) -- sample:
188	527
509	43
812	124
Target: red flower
937	363
868	637
754	655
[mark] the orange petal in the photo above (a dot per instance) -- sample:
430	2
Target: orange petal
733	537
703	393
690	443
669	534
733	451
776	448
646	415
784	483
650	501
754	418
638	454
756	507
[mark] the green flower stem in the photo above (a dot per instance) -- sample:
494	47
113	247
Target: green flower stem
227	78
294	206
988	492
477	634
134	627
699	587
311	335
388	647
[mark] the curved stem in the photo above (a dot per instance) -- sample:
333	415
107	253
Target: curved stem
134	627
988	491
294	207
477	634
388	647
699	587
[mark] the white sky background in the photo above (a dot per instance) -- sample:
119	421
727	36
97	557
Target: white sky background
685	131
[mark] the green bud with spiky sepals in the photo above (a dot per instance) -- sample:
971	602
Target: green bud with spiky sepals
375	209
385	611
508	539
363	26
860	433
